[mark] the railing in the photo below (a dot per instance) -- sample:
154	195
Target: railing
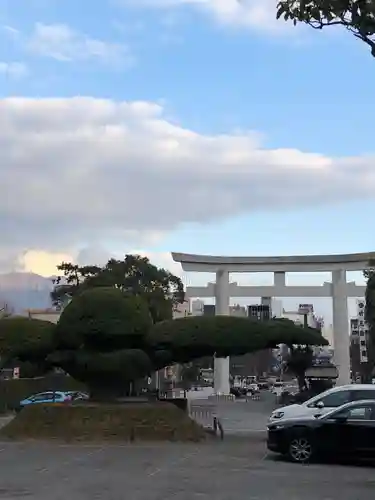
222	397
207	417
172	394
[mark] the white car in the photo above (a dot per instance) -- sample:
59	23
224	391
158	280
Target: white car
253	387
325	402
277	388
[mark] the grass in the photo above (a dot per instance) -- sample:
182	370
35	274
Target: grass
104	422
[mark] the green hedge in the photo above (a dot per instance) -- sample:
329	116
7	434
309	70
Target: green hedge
13	391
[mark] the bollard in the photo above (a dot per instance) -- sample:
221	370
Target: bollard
215	425
221	430
174	434
132	435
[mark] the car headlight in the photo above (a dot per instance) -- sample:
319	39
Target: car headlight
277	414
276	427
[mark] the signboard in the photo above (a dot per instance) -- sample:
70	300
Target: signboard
322	371
16	372
305	308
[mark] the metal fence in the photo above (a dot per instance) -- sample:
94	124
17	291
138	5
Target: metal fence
206	415
222	397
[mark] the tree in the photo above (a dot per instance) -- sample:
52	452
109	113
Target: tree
194	337
368	368
26	340
106	337
6	310
300	359
73	278
135	274
100	340
190	374
357	16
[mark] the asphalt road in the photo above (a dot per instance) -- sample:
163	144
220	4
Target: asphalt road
236	468
239	417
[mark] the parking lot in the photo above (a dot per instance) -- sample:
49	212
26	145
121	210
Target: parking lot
239	467
236	468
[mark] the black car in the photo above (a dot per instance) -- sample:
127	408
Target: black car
345	432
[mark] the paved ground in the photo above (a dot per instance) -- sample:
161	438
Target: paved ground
239	417
237	468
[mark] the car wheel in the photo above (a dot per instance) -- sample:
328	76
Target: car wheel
300	449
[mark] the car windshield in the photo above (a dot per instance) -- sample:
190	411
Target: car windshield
326	416
317	398
351	411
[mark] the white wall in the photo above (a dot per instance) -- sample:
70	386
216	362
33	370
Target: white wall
182	310
277	308
52	316
197	307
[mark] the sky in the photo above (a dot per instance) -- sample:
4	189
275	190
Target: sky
201	126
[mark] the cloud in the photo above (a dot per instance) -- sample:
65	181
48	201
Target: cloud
256	14
87	171
13	69
45	263
10	32
60	42
42	262
160	259
94	255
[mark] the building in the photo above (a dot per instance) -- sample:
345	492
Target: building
209	310
182	310
277	308
49	314
197	307
237	310
261	312
327	331
304	316
256	363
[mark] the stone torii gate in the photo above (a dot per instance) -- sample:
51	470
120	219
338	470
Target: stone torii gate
339	290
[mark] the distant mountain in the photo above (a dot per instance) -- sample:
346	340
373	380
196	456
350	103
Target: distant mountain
22	291
20	281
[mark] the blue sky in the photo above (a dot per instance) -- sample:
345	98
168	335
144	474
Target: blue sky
216	73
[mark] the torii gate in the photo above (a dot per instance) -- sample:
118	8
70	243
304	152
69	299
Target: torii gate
339	290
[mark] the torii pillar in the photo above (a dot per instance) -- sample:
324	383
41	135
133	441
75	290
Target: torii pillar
221	365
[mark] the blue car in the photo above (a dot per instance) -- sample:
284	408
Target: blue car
46	397
78	395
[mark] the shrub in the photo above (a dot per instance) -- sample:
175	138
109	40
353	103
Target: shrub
21	336
198	336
